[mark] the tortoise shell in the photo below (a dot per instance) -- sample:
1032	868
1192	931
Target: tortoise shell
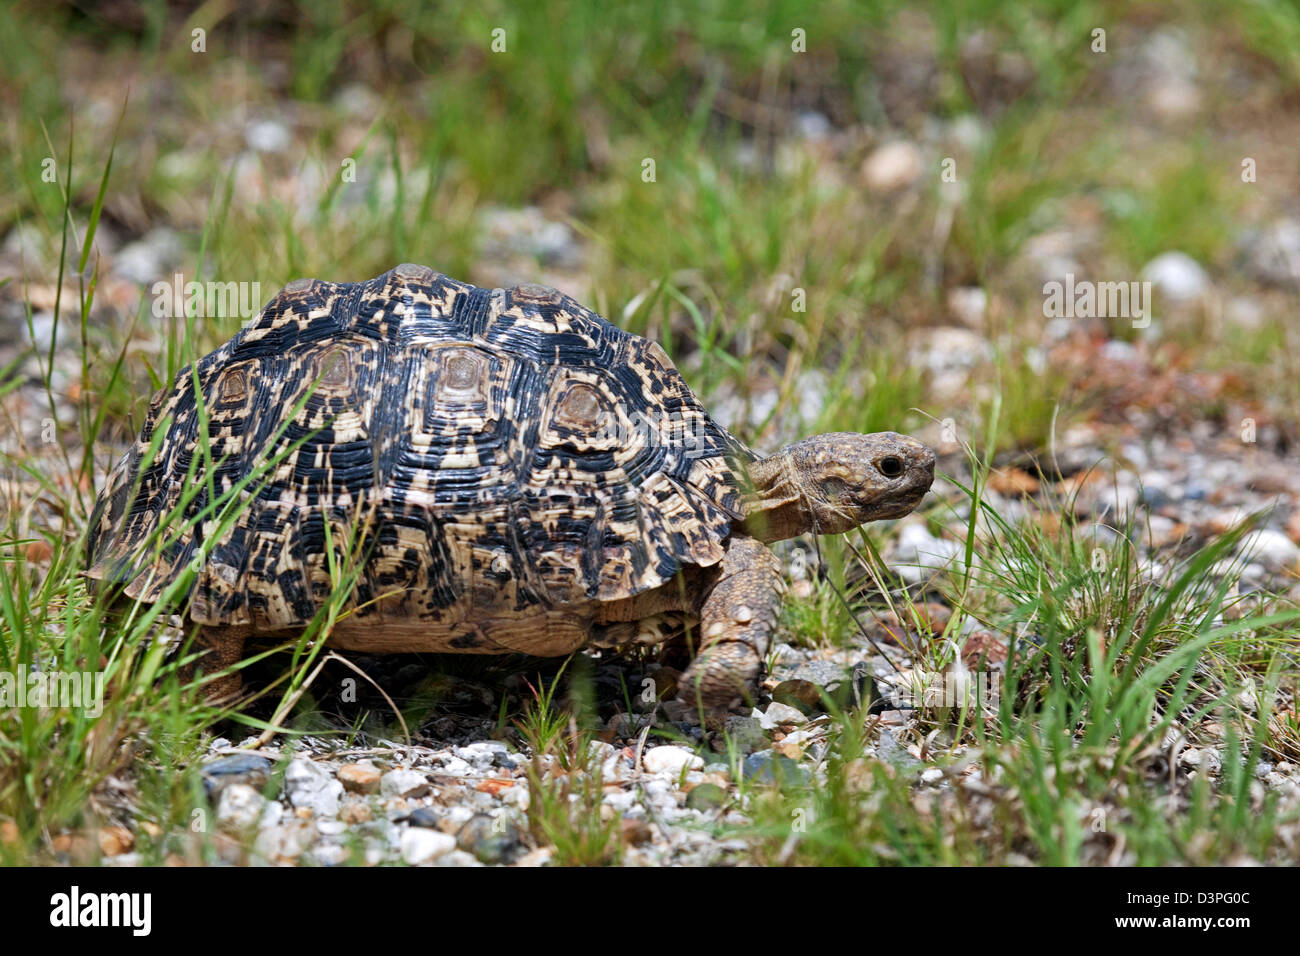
489	449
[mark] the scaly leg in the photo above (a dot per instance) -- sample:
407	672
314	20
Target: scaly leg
222	647
738	619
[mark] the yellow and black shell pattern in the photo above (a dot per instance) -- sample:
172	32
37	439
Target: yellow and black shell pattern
473	452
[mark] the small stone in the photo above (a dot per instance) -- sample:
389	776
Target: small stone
115	840
359	778
491	839
969	305
149	258
803	695
237	768
767	766
1273	549
779	715
636	831
1177	276
932	775
746	734
311	786
670	759
355	812
706	796
419	845
425	817
1273	255
267	136
240	808
404	783
892	167
485	754
457	858
1205	760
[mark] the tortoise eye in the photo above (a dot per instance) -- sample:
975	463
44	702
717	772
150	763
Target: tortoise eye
890	467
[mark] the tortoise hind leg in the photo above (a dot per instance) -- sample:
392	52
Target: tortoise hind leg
738	619
221	648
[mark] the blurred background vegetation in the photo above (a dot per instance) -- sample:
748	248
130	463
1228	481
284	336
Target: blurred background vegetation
775	170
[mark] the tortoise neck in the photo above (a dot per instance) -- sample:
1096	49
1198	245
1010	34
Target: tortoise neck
774	509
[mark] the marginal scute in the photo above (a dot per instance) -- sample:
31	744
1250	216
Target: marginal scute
417	273
489	467
541	294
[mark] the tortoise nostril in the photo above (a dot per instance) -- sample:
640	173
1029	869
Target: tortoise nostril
890	467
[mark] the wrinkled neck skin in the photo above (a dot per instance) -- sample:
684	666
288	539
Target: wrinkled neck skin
776	509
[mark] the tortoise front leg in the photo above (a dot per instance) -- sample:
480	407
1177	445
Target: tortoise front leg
221	647
738	619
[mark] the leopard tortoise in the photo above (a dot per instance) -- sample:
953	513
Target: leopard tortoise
525	477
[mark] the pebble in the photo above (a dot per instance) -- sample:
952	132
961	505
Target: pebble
1177	276
917	552
1273	549
491	839
769	767
424	817
669	759
237	768
892	167
528	232
267	136
746	734
359	778
115	840
1273	254
356	812
419	845
457	858
485	754
330	854
151	257
779	714
706	796
310	785
637	832
240	808
1206	760
404	783
825	674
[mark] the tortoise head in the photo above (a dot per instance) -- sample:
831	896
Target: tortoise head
832	483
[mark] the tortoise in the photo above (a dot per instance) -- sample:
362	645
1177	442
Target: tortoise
522	476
